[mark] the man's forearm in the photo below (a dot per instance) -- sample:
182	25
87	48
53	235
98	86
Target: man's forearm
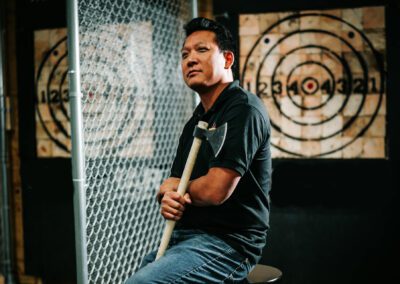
213	188
201	193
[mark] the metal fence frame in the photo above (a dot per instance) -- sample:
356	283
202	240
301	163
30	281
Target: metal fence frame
77	155
5	229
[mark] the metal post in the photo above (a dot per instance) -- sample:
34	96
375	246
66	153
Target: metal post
195	14
4	199
78	162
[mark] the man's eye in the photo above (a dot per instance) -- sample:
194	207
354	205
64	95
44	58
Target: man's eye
202	49
184	55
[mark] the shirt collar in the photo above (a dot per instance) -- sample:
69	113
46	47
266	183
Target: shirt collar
199	111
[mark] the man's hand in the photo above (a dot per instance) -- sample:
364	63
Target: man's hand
172	203
170	184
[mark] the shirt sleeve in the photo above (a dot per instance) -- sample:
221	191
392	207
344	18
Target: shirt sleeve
246	132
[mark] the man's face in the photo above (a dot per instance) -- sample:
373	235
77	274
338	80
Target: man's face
202	61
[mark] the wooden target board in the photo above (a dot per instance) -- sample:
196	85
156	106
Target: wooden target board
321	76
53	136
115	91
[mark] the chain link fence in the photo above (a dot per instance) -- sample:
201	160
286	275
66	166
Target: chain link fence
134	107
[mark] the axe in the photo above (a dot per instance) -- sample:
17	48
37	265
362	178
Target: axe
216	138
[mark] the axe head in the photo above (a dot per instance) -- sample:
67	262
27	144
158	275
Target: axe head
216	137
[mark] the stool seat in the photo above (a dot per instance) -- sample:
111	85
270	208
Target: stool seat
264	274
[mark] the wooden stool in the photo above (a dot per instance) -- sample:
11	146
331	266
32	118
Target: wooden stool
264	274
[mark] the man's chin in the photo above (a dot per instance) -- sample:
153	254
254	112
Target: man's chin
196	86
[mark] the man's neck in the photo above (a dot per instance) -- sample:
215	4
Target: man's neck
209	96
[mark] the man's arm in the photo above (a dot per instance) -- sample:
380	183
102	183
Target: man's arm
214	188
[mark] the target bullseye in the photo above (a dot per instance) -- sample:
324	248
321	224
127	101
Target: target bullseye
310	86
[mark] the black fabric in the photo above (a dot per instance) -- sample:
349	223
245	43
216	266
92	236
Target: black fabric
243	219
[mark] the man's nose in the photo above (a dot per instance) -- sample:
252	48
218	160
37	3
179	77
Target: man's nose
191	61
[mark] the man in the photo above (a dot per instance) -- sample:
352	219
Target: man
223	217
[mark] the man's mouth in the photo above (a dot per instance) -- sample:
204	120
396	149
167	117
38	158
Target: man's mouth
192	73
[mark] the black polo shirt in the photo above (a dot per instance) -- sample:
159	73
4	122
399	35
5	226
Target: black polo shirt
242	220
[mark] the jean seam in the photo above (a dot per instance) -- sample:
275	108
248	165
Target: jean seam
199	267
236	269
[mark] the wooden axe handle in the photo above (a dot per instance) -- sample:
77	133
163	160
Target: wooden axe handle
187	172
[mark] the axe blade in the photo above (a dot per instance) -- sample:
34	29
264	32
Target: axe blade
216	138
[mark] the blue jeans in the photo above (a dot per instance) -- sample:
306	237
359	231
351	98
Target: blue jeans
193	257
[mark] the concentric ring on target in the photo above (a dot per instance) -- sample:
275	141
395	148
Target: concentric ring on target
309	84
115	98
53	97
346	90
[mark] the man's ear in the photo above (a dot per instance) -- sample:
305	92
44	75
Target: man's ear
229	59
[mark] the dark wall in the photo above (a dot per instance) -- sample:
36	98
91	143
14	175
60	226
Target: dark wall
334	221
46	182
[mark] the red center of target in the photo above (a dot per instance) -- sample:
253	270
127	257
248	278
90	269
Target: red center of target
310	85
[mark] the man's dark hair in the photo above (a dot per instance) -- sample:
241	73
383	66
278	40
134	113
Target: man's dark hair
223	36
